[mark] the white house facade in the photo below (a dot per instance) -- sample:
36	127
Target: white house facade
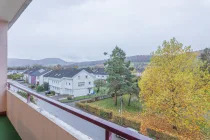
72	82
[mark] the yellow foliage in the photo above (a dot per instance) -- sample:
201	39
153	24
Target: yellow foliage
174	87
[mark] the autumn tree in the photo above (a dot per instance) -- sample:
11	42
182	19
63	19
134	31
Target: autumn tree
174	87
118	70
205	57
57	67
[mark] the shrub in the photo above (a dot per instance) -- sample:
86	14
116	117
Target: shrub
159	135
24	95
70	97
39	88
15	76
52	92
132	123
32	86
105	114
128	122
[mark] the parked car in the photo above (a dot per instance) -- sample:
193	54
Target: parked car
131	129
47	92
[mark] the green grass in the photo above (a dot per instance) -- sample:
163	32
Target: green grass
110	104
7	131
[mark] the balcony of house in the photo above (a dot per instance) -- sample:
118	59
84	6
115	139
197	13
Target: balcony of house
26	120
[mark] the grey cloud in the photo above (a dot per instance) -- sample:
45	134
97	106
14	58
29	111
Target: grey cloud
84	29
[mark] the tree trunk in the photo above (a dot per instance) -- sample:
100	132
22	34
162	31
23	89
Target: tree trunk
174	127
115	99
129	102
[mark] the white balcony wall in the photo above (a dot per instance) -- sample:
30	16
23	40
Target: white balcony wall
3	64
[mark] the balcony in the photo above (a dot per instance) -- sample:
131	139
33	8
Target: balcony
33	122
22	119
7	131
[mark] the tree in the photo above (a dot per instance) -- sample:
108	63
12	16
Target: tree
134	89
99	83
57	67
205	57
117	69
174	87
46	86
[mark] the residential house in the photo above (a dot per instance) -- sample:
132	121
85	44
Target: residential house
9	72
100	73
39	76
35	76
27	72
76	82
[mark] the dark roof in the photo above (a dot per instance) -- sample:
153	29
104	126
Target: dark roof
63	73
87	69
39	72
29	71
100	71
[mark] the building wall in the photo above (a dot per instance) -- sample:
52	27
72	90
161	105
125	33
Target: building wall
46	79
55	84
33	124
88	81
41	79
3	64
71	86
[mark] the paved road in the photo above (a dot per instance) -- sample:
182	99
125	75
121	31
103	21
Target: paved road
83	126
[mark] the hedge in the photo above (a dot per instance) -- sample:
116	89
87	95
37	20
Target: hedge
96	111
159	135
123	121
128	122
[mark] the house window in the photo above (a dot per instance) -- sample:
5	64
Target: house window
102	76
89	83
78	77
69	83
86	76
81	84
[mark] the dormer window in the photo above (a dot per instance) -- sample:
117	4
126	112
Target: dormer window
86	76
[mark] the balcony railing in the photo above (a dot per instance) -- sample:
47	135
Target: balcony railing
109	127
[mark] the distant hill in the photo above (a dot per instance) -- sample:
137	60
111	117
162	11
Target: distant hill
136	58
13	62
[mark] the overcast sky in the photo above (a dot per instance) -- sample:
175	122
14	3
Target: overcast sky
78	30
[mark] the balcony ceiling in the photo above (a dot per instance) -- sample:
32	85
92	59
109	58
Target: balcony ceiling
10	10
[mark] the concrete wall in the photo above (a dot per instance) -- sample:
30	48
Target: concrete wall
33	123
3	64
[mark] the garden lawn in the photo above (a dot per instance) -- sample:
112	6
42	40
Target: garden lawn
135	106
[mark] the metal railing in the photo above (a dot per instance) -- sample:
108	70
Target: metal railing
108	126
